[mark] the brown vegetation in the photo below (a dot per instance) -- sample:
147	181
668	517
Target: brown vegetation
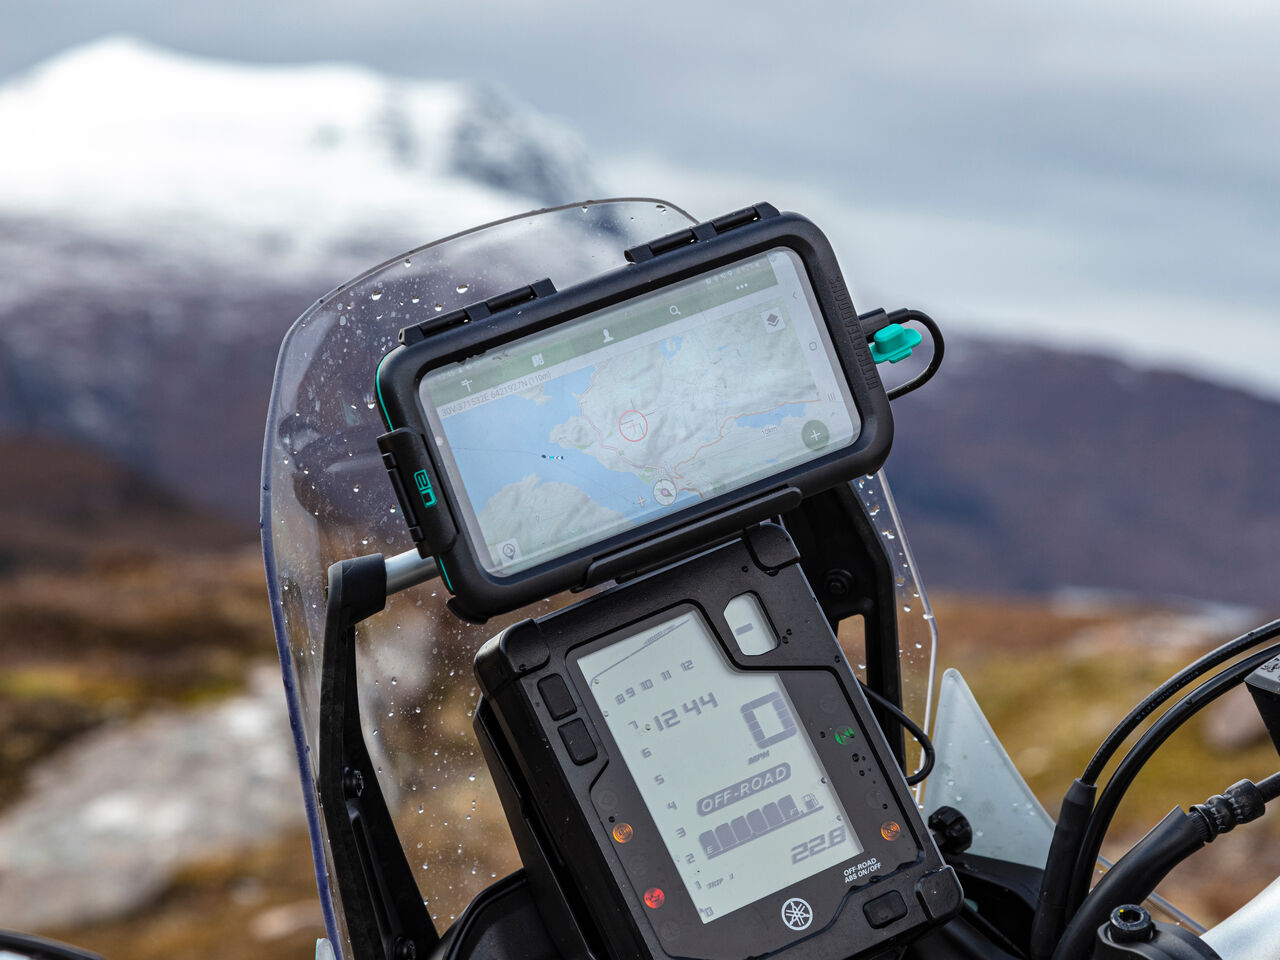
181	629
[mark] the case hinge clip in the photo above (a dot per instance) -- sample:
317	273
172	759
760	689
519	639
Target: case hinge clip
404	454
700	231
480	310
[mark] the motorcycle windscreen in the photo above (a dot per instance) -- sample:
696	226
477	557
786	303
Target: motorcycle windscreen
326	497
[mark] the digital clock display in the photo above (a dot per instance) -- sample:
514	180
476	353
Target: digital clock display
722	762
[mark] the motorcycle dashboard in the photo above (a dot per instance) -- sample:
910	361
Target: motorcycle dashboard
699	755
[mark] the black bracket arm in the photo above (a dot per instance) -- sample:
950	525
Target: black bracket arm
850	573
386	916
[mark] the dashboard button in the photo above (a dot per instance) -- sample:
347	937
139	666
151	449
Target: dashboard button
882	911
577	740
555	694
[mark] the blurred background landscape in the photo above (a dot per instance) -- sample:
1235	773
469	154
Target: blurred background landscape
1087	201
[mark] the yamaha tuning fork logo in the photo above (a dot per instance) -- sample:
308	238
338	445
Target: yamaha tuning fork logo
797	914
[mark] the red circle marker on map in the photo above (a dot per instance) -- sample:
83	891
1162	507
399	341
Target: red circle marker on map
633	426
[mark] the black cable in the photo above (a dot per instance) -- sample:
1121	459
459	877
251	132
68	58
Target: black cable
1169	843
913	728
1140	753
1171	686
876	320
1133	878
1270	787
1059	869
16	944
939	346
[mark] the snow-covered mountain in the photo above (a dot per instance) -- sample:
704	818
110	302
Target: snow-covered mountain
263	168
163	219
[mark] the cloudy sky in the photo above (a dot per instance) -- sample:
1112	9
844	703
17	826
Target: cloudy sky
1101	173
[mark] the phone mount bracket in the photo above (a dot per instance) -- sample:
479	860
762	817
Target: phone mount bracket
385	915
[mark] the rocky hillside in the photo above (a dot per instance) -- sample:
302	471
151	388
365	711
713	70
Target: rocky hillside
1027	469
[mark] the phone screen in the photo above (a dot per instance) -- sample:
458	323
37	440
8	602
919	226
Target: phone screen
569	436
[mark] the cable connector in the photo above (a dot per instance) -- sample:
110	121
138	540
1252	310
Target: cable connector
891	342
1239	803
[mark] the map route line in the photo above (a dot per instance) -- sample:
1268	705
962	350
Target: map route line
737	416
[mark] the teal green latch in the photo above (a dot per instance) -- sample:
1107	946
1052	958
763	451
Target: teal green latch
424	488
893	343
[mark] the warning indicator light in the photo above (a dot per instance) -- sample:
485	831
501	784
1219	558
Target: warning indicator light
623	832
890	830
654	898
844	735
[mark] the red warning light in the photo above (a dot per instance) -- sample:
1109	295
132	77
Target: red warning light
654	898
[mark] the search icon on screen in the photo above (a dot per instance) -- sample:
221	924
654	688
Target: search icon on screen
675	311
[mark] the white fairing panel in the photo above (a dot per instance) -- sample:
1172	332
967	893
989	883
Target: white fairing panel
975	775
1253	931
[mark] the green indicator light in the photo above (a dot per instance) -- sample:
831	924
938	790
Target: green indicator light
424	488
844	735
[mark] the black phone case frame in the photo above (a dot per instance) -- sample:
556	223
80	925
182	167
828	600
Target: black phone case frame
426	495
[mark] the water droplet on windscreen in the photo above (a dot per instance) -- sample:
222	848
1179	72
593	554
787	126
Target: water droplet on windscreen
462	288
415	298
439	307
376	295
888	534
407	261
356	488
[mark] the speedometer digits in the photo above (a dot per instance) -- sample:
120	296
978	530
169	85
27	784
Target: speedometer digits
730	784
